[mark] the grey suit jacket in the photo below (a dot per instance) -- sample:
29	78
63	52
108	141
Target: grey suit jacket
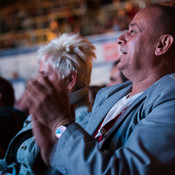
142	141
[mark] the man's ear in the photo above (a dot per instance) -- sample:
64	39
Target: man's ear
71	80
165	42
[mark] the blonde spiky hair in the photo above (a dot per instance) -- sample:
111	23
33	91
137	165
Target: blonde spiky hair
70	52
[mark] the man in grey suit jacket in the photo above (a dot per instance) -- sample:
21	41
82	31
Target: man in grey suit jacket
141	139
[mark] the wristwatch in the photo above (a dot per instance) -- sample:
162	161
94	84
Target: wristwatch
59	131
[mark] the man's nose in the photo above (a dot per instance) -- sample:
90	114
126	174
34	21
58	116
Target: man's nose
121	39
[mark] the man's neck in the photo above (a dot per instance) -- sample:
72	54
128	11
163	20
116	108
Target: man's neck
144	84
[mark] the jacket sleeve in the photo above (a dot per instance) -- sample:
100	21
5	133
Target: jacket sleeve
150	148
5	169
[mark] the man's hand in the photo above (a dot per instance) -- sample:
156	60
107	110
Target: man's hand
44	137
48	104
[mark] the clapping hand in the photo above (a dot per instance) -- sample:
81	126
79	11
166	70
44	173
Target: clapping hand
50	108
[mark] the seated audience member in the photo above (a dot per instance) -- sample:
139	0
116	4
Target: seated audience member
11	119
21	104
131	129
116	75
67	58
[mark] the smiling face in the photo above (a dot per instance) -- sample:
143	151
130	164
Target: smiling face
137	46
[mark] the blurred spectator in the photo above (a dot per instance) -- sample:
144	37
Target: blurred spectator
21	104
93	91
11	119
67	58
7	98
116	75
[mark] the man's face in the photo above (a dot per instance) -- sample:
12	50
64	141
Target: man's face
137	47
47	70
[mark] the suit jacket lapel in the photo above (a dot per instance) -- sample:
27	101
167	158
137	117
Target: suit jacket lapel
131	107
104	106
124	115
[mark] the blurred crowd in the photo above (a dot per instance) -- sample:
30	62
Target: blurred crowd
24	24
34	22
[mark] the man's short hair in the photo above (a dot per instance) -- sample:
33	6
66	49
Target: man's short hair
165	23
70	52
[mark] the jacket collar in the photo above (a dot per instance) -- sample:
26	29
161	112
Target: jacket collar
100	112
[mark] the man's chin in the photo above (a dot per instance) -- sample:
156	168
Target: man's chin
120	66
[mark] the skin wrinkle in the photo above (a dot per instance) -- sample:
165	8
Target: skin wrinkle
135	25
